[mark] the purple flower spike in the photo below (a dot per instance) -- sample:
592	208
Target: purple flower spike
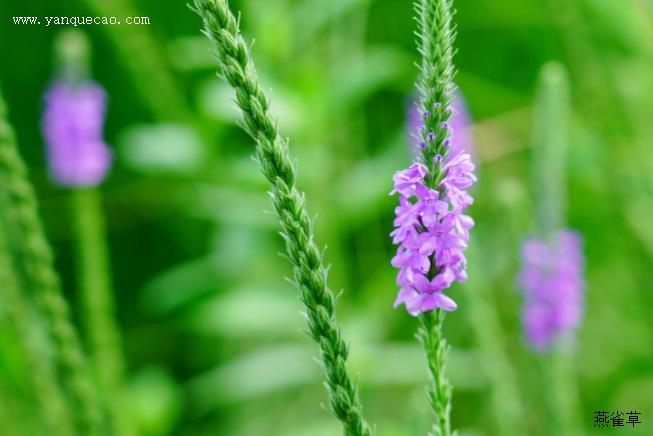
72	128
432	231
552	282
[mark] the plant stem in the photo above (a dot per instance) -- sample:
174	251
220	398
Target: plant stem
35	257
439	392
97	302
560	393
551	139
565	392
272	153
551	127
435	37
48	393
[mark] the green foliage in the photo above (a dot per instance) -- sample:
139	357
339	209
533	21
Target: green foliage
192	245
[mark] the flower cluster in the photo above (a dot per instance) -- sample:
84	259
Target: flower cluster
72	128
552	281
432	231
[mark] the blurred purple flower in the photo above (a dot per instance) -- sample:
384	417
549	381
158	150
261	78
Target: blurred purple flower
72	128
459	124
552	282
432	232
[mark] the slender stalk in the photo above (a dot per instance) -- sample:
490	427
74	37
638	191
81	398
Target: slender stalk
550	147
272	153
93	279
561	393
35	257
96	295
44	383
431	336
435	37
550	155
564	365
102	335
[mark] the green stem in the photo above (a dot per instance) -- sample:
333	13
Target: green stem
551	139
37	263
431	336
98	307
435	37
48	393
272	153
566	391
561	393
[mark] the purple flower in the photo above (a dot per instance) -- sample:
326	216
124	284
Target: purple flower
431	231
552	282
72	129
406	182
459	125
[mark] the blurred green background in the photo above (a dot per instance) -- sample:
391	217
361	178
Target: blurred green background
212	330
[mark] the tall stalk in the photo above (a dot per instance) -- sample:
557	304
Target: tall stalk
96	297
44	384
435	346
310	275
94	282
551	139
435	37
34	255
